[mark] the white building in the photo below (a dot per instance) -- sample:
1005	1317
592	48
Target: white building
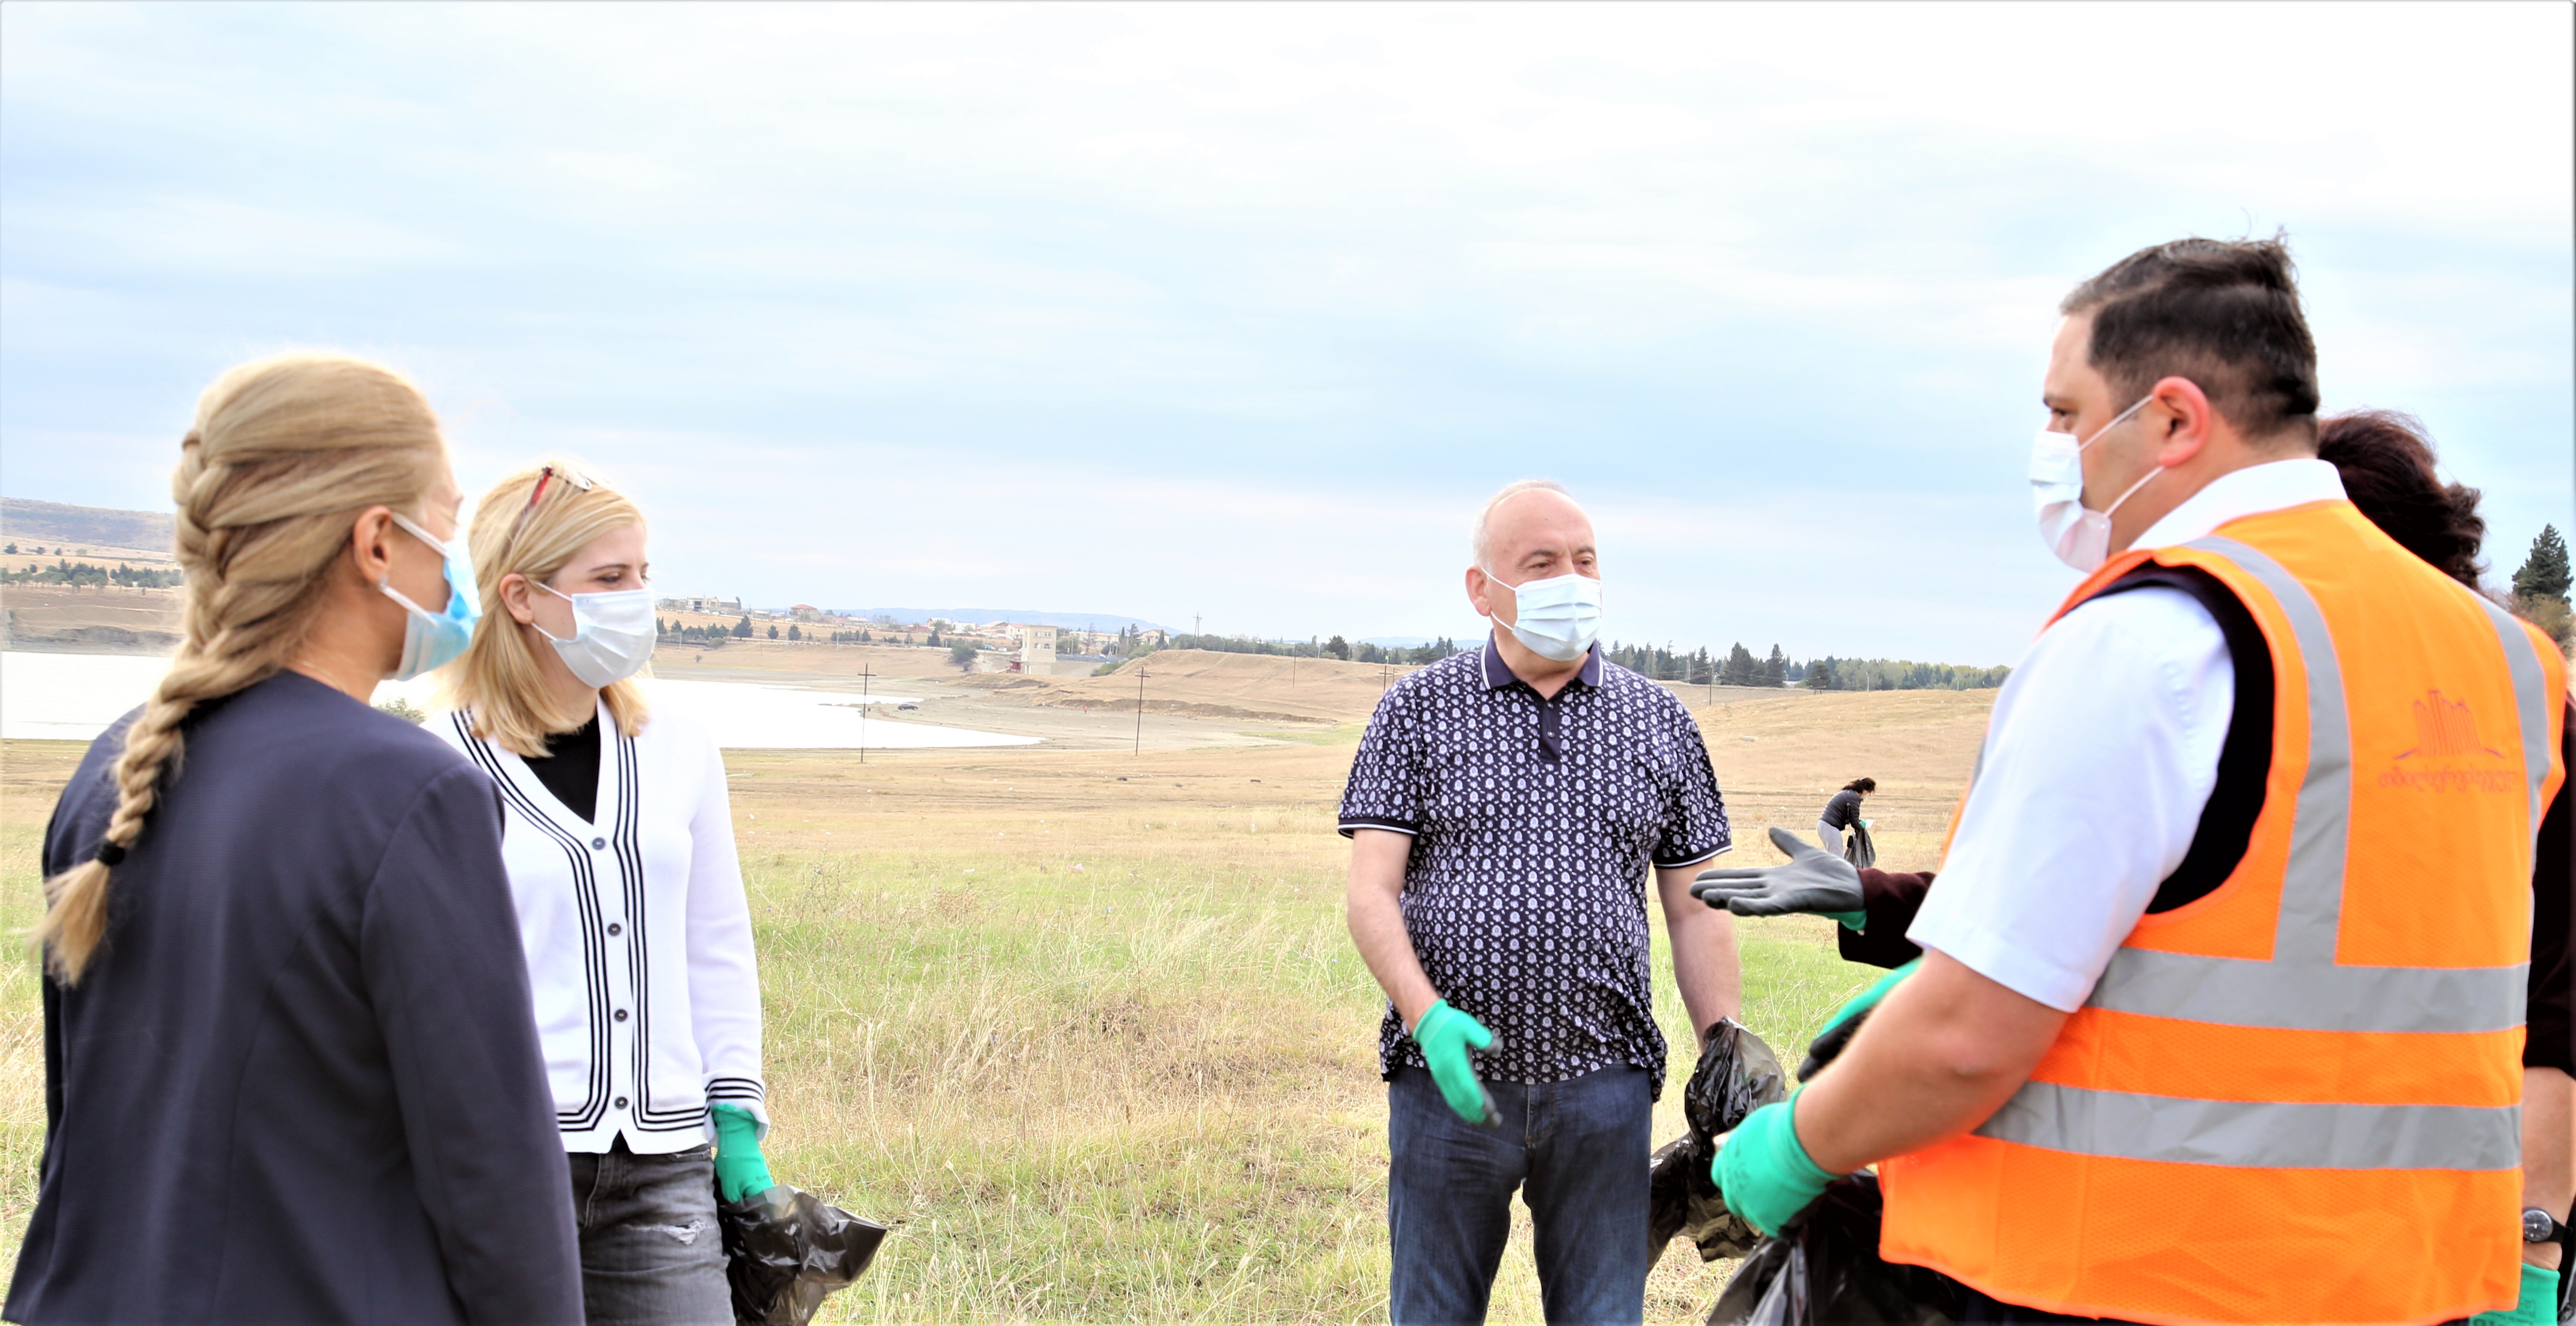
1037	650
702	605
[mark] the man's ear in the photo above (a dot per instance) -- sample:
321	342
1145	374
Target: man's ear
1479	591
2189	420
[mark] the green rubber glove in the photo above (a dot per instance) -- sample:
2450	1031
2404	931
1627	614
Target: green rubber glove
2538	1306
740	1171
1764	1172
1445	1035
1867	999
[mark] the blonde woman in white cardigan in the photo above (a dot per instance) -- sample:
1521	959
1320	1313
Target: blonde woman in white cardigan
619	843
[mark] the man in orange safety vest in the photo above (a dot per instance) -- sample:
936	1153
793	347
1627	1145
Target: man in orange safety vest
2220	1012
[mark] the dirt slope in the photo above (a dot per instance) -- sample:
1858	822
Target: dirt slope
1249	687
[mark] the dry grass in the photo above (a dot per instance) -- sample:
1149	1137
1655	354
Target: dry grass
1099	1049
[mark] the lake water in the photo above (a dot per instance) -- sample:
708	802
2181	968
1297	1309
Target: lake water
74	697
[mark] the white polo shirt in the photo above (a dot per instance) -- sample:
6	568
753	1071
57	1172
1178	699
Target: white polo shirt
2101	755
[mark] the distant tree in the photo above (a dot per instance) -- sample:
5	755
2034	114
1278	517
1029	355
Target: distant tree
1775	670
1702	669
743	628
863	637
12	550
2544	574
773	630
402	709
963	655
1741	668
1820	675
791	632
1338	648
933	641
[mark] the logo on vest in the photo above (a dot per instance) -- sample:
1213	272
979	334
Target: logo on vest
2446	739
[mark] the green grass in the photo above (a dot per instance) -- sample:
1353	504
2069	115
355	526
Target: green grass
1143	1091
1129	1095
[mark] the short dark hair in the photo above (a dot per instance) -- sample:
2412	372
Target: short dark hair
2386	461
2223	313
1861	785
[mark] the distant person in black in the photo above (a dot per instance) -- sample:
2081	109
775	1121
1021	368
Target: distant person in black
1842	813
291	1071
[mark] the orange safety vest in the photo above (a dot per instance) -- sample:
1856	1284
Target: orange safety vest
2298	1098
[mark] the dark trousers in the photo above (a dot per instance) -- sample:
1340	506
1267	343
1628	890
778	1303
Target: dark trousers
650	1253
1578	1152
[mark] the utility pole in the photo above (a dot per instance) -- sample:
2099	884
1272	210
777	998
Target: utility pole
864	674
1140	712
1198	624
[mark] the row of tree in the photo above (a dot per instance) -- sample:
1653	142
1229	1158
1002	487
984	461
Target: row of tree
1334	647
83	573
2540	593
1741	668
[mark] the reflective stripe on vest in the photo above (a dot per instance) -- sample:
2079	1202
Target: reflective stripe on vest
2301	986
2531	690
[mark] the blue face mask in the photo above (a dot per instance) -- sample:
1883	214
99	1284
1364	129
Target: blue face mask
433	639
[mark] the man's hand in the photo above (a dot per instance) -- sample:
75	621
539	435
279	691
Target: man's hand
1815	882
1445	1035
1764	1173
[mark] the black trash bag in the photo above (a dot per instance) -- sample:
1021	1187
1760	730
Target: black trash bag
1737	1074
1862	850
785	1249
1826	1271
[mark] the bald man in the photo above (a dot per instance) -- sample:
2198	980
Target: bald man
1505	811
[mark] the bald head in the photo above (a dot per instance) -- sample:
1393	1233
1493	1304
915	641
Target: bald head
1531	530
1524	516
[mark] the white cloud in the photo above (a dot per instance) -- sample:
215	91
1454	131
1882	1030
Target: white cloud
1274	288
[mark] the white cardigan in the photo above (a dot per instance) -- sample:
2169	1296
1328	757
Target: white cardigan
637	934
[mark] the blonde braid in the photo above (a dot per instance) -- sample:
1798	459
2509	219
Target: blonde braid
285	454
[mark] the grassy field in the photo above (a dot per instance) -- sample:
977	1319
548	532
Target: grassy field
1086	1029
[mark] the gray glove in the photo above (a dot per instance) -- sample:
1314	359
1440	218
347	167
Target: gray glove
1815	882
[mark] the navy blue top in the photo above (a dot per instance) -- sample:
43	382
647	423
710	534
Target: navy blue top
1534	822
300	1081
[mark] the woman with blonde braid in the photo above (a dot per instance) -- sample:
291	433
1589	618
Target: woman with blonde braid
619	840
291	1068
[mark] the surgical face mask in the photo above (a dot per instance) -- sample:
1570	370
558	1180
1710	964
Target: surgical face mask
612	636
1559	617
2080	536
432	639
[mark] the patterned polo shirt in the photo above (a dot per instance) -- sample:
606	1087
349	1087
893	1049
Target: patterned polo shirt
1534	823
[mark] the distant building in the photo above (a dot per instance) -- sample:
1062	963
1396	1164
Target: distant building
806	612
703	605
1037	650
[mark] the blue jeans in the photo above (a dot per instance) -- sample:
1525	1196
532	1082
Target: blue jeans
1580	1147
650	1253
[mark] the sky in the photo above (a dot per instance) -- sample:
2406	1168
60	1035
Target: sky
1236	313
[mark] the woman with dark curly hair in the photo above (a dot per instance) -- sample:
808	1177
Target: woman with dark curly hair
1843	813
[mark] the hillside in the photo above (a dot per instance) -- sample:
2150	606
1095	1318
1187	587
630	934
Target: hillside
1253	687
49	523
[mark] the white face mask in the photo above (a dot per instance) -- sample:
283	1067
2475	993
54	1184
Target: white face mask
2080	536
1559	617
612	636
